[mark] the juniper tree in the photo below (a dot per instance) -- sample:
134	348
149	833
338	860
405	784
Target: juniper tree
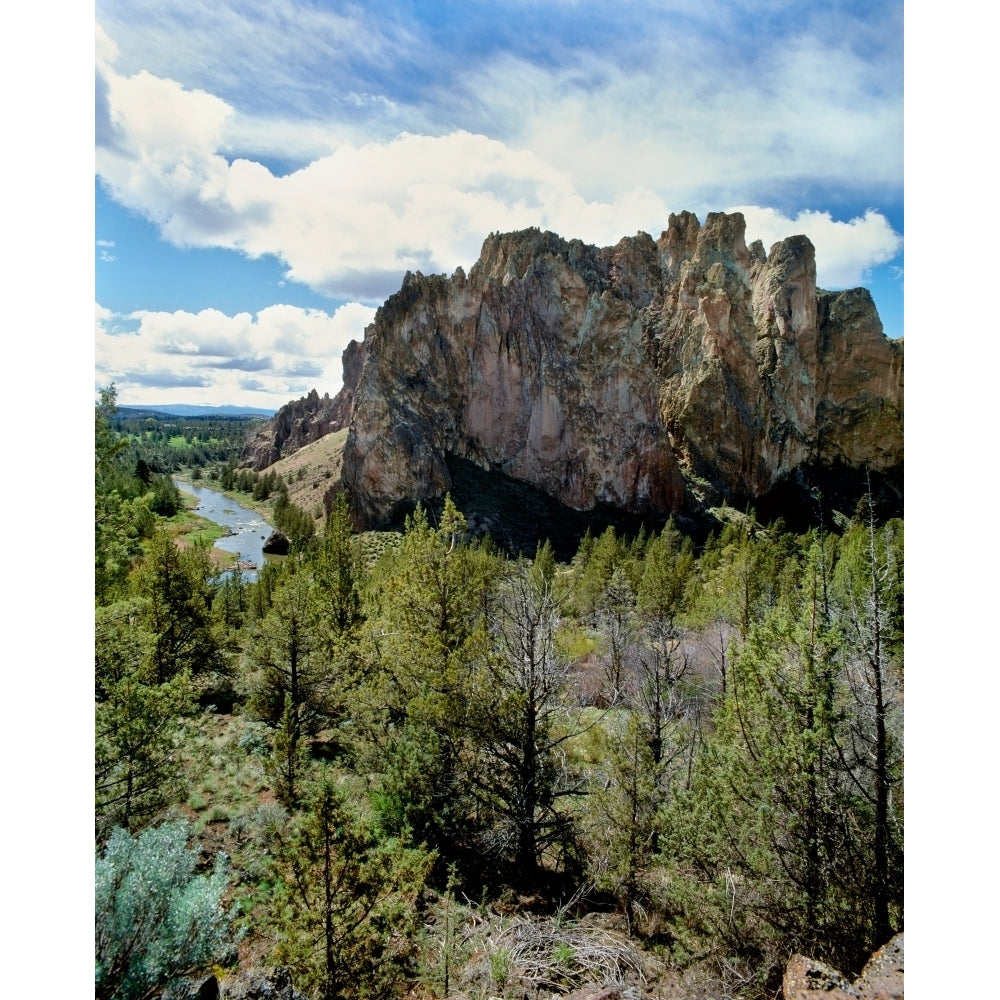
867	588
289	655
425	629
343	906
136	753
773	818
177	587
289	761
623	806
518	697
615	619
136	721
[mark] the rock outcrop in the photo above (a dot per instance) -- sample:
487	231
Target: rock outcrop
299	423
650	377
881	979
260	984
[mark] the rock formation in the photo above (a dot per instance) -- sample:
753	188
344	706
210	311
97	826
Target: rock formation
649	377
297	424
881	978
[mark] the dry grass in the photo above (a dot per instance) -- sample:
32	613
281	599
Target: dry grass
552	956
312	470
497	955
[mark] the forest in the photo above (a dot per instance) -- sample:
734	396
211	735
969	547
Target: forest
414	765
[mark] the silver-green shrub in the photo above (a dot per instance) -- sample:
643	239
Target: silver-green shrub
155	918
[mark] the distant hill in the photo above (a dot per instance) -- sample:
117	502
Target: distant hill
189	410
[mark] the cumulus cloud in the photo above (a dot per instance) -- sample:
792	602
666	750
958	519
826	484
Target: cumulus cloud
103	318
592	151
354	145
350	223
845	251
254	360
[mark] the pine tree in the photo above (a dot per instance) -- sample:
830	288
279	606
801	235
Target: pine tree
867	593
137	722
136	754
623	805
425	631
518	696
178	601
615	618
343	906
288	655
289	761
339	570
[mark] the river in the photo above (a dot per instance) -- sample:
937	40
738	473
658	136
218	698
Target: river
247	529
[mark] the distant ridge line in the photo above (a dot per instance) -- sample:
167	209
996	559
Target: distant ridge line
193	410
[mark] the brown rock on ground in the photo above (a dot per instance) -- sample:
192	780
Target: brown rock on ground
881	979
809	979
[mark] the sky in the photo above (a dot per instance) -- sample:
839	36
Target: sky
266	172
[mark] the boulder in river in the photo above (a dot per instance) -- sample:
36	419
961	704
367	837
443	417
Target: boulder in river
276	545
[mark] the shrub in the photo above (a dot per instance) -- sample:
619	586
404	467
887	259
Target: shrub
155	919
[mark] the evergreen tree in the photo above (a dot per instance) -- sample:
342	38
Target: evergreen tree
136	749
627	791
513	711
594	565
615	618
867	589
136	723
288	655
289	757
772	818
339	571
426	629
667	567
122	514
178	600
343	906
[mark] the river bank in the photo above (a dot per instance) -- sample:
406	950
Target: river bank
241	528
187	528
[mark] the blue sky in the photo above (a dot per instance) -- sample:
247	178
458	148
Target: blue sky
267	172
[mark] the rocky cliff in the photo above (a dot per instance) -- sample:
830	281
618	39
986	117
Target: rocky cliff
297	424
650	377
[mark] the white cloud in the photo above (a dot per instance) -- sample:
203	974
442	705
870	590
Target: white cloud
586	147
351	222
845	251
675	124
103	317
206	356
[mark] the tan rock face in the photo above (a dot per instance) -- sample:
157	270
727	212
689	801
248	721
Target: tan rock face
607	376
810	979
